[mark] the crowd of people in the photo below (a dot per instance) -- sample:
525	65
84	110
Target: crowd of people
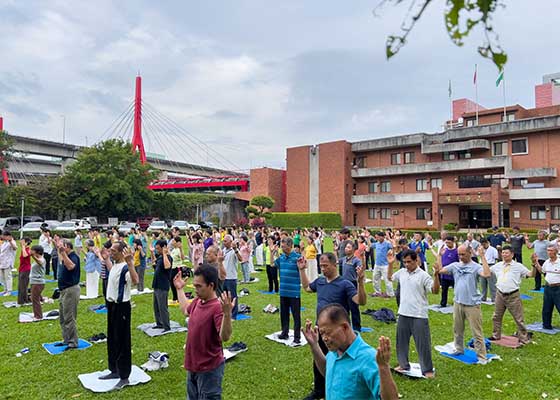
480	269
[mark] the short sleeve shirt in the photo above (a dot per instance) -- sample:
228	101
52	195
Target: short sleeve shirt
466	279
230	263
349	268
290	282
162	275
540	248
381	250
68	278
415	287
552	271
338	291
508	276
119	283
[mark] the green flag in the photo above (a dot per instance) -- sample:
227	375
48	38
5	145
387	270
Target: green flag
500	78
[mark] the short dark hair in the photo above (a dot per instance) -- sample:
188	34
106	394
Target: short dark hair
403	241
122	245
27	240
335	313
330	257
483	240
137	242
7	233
409	253
515	227
345	231
161	243
380	233
451	238
177	239
209	273
507	247
288	241
38	249
108	244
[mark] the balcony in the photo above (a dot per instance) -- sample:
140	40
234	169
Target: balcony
438	167
455	146
534	194
425	197
530	173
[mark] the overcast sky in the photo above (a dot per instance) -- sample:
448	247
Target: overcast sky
249	78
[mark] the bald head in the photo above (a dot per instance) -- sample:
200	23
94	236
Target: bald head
212	254
464	253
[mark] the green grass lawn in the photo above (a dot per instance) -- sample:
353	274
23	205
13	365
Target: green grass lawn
267	370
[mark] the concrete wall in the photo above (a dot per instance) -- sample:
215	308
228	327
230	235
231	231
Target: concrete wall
297	176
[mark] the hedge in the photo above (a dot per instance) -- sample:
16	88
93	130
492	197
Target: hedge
327	220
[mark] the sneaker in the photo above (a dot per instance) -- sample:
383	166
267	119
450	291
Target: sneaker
297	341
482	361
121	383
283	336
111	375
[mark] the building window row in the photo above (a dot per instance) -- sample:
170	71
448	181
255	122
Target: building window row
518	147
538	212
423	213
408	158
374	187
376	213
421	185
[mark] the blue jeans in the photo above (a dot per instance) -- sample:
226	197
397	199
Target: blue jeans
230	285
246	273
205	385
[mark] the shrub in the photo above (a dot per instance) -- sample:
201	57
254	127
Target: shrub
306	220
452	226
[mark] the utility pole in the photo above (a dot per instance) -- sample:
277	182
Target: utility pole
21	222
63	129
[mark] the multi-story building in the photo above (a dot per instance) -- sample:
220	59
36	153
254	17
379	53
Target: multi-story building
488	167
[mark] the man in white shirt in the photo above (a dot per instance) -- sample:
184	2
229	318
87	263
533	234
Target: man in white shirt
509	274
491	255
46	242
7	257
122	275
551	269
415	285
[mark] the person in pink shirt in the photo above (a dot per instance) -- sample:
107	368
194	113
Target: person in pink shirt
197	250
245	252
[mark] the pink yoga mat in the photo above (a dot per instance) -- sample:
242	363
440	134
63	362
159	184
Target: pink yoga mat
508	341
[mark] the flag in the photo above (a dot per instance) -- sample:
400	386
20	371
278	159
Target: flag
474	78
449	89
500	78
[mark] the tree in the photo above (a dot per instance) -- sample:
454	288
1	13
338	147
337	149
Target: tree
461	17
259	207
106	180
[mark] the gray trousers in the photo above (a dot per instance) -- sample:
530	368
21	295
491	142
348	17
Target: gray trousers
205	385
488	282
141	271
161	312
419	329
68	309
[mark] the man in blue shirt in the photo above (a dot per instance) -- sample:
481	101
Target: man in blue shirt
349	265
349	367
289	289
69	286
381	247
331	288
419	246
467	298
496	239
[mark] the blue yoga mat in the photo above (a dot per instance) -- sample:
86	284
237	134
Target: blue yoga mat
50	280
366	329
469	357
526	297
14	293
302	309
102	310
537	291
54	350
266	292
241	317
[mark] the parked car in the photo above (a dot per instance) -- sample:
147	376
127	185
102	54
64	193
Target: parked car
194	226
32	227
51	223
10	224
72	225
157	226
182	225
125	227
206	225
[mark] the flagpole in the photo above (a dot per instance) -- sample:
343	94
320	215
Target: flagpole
450	104
504	90
476	90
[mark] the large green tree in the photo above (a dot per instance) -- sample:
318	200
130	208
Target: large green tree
461	17
259	208
108	179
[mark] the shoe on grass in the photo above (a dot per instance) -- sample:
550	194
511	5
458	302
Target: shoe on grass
112	375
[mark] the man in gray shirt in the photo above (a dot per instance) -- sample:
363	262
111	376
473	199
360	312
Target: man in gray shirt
467	299
540	246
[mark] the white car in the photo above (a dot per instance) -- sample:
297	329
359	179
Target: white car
52	223
32	227
157	226
125	227
68	226
182	225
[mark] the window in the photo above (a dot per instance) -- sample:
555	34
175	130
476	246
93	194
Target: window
354	189
409	158
385	187
360	162
519	146
470	122
437	183
464	155
519	182
555	212
538	212
372	213
474	181
421	185
508	118
421	213
499	148
373	187
395	158
385	213
448	156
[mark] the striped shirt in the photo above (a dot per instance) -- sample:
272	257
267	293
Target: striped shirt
289	275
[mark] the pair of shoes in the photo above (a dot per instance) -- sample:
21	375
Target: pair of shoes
493	338
156	361
238	347
111	375
283	336
60	344
99	338
271	309
53	313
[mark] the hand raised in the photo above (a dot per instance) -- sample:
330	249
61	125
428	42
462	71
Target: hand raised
301	263
227	303
311	333
383	356
179	282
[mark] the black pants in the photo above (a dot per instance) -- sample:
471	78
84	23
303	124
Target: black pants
118	338
318	378
355	312
292	304
174	272
445	285
538	276
54	262
551	300
47	263
319	264
104	287
272	274
518	257
398	294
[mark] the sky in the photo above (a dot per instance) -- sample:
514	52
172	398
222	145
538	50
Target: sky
242	81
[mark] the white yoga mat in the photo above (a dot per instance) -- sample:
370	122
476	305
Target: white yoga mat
439	309
414	372
90	381
134	292
25	317
149	329
230	354
288	342
11	304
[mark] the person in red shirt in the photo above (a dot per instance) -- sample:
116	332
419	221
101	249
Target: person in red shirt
209	326
24	271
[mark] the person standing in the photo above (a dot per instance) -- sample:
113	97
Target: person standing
496	238
551	269
160	284
491	257
139	263
270	252
331	288
122	275
311	259
517	240
260	240
93	270
176	253
509	274
343	239
540	245
46	242
419	246
449	255
245	252
78	245
24	271
209	326
7	257
382	248
215	258
290	296
467	299
415	285
68	284
318	242
37	281
231	258
349	265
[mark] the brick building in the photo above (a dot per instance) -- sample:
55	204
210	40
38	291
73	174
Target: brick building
502	170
